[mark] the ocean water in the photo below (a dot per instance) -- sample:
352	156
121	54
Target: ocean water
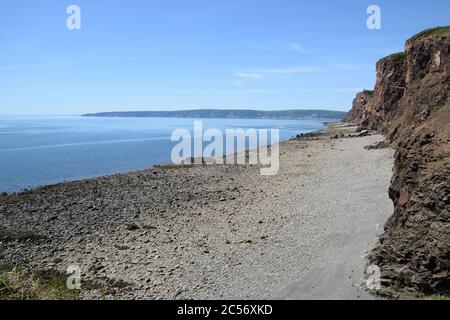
42	150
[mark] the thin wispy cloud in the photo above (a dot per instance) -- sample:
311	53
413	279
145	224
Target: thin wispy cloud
37	66
262	73
70	63
264	57
329	90
298	48
256	91
249	75
349	66
276	48
293	70
227	91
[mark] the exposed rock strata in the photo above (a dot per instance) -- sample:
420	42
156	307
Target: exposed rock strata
410	104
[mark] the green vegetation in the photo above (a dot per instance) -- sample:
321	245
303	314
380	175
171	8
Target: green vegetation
368	93
398	55
229	114
16	284
438	31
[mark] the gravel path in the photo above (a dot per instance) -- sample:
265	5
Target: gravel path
209	232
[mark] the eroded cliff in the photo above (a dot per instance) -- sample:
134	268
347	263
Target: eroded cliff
410	104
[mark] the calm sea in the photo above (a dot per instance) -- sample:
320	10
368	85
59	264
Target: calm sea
42	150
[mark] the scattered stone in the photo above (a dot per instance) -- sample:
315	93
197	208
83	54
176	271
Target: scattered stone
122	247
132	227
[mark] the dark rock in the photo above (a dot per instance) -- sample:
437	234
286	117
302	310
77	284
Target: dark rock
132	227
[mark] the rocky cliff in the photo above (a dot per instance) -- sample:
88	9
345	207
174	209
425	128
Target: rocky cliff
411	106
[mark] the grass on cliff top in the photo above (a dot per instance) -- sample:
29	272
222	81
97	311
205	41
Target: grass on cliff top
369	92
438	31
15	284
398	55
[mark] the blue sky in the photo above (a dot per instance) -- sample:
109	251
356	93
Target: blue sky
169	55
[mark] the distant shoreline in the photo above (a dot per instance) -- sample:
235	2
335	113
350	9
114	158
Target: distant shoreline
325	115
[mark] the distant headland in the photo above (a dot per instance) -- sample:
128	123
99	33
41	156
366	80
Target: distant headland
228	114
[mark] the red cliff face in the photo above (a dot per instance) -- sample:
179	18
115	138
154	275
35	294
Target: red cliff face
360	112
389	89
427	81
411	105
372	109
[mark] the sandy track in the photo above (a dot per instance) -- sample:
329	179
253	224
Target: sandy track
350	193
215	231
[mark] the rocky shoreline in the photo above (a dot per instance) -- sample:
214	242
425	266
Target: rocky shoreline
208	231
